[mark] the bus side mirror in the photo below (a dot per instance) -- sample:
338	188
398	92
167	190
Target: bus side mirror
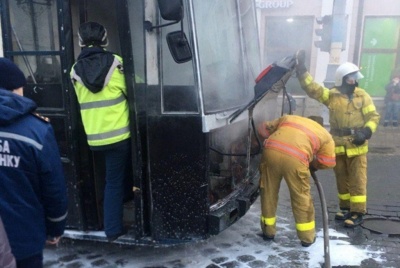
179	46
171	9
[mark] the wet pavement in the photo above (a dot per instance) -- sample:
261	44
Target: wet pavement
241	246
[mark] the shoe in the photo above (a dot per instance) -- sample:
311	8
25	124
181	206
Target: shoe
307	244
267	237
385	124
342	215
395	124
112	238
354	220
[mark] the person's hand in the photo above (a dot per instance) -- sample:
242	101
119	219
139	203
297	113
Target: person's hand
313	164
395	81
312	168
301	62
361	136
263	131
53	240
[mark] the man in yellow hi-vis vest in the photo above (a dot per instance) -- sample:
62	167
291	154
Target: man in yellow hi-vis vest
353	118
99	84
293	146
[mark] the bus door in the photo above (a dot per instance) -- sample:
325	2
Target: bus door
115	15
45	50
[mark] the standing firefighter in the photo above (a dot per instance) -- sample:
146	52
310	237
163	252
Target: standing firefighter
99	84
293	146
353	118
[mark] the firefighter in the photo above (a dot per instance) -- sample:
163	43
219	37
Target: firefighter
353	118
293	146
99	84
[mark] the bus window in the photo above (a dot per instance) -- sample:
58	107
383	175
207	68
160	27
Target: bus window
34	26
220	56
250	42
43	72
179	93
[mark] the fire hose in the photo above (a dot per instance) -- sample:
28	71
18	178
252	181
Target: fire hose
324	220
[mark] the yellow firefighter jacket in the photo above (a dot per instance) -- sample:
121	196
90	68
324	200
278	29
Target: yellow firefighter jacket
303	139
344	113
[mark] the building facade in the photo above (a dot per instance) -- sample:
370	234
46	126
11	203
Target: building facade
368	36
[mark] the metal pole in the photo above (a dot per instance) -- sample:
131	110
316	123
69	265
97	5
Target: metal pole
324	220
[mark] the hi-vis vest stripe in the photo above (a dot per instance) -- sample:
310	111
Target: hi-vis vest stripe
107	135
99	104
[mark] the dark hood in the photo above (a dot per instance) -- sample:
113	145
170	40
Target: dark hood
347	89
92	67
13	107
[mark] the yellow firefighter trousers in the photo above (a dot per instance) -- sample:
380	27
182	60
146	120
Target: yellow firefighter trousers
351	180
275	165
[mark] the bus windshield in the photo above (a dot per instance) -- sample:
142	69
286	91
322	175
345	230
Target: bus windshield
227	55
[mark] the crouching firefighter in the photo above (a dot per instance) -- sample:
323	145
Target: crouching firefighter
353	118
293	146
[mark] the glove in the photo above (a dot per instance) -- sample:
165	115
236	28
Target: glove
312	166
361	136
301	62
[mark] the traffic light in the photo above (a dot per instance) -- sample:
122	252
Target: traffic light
325	33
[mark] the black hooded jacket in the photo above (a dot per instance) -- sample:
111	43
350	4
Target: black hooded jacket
92	67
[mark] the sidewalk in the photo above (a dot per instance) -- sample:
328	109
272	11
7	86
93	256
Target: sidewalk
385	140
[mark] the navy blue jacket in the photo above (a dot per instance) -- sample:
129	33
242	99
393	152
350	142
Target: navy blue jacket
33	196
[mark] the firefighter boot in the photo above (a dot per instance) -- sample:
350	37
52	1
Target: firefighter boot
268	237
307	244
342	215
354	220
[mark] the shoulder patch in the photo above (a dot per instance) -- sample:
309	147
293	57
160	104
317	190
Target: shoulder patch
41	117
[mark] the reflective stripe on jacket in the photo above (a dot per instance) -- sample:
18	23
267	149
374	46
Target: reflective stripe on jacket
105	114
357	112
301	138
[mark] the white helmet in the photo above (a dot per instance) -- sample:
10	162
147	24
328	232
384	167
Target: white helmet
345	69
